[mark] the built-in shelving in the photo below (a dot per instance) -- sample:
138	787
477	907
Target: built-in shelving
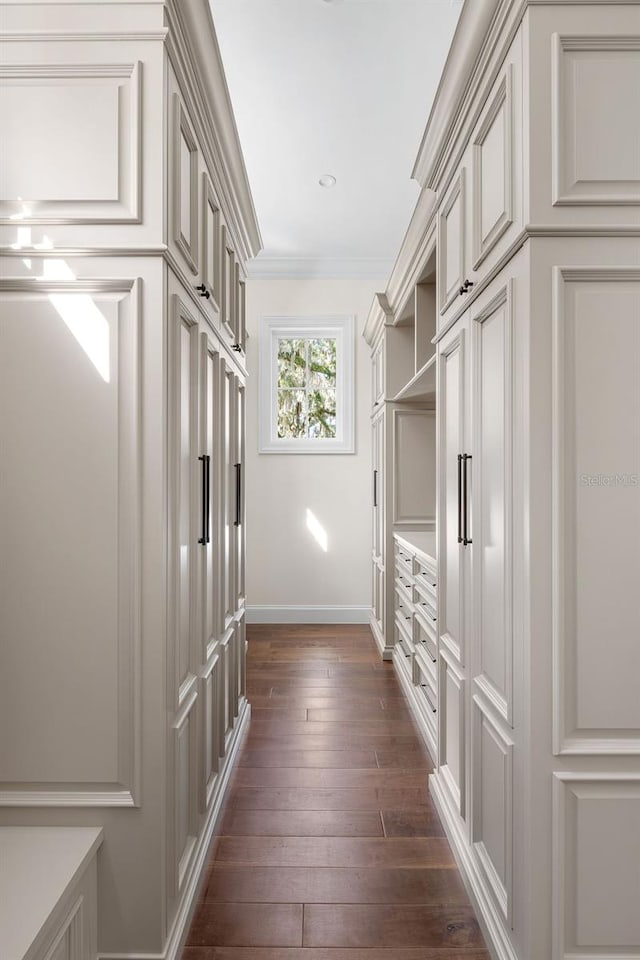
421	387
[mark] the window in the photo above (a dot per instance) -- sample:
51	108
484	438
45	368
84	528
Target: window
306	385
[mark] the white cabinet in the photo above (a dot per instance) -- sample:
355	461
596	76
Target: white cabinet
482	212
122	690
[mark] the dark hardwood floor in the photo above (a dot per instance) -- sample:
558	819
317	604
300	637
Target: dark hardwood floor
330	847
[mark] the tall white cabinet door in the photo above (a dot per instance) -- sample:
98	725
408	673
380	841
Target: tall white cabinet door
227	481
239	494
378	487
184	484
453	557
208	529
492	405
453	445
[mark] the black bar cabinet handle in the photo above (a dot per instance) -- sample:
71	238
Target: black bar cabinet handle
238	519
206	498
375	488
465	532
460	498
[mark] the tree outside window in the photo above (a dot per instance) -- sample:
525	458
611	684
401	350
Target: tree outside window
306	385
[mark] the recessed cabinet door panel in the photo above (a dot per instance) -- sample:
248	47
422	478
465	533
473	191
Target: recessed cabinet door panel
452	364
452	241
184	484
491	533
597	493
496	190
209	474
184	187
452	730
228	494
69	545
239	495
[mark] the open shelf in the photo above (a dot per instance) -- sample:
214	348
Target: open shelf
422	386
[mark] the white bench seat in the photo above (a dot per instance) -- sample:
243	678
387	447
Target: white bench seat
48	881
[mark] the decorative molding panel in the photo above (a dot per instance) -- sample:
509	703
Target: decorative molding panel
452	733
493	398
492	806
184	186
596	852
211	240
183	833
451	242
596	484
94	329
414	482
596	123
493	171
183	446
86	119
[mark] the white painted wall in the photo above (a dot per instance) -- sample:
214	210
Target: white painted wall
285	565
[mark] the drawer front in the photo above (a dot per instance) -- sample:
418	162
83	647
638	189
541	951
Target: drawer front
404	588
425	634
425	605
404	561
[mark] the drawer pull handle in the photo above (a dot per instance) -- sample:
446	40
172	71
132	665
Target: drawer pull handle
202	290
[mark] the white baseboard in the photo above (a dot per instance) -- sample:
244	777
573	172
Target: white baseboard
301	614
180	927
490	921
385	652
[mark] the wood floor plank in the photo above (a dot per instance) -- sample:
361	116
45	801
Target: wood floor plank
326	779
385	726
416	799
393	925
416	822
322	759
347	741
301	823
259	884
247	925
335	852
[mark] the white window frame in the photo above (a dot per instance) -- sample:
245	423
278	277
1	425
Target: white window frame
339	328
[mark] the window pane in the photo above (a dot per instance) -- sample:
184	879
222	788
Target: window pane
292	414
322	363
292	363
322	413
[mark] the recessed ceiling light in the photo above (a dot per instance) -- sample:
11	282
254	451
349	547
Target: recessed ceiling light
327	180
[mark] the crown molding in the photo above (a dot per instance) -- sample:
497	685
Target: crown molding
414	251
190	43
320	267
380	313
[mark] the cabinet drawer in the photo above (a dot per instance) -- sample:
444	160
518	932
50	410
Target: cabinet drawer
425	634
425	678
404	561
403	636
404	587
425	606
425	574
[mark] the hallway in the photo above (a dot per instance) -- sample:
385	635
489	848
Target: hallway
330	840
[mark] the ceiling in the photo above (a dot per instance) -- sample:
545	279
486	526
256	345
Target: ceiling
340	87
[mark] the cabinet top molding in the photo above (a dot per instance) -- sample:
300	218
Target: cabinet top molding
484	25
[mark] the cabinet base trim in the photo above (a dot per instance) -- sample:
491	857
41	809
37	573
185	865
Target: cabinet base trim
385	652
299	614
182	922
497	937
